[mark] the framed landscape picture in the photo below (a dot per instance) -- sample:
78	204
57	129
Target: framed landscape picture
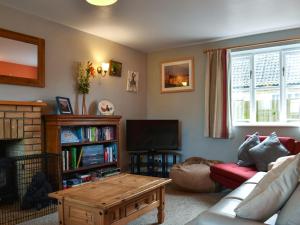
177	75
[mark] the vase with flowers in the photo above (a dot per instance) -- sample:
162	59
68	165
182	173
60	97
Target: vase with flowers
85	73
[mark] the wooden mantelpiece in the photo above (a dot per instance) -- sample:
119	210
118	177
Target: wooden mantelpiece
23	103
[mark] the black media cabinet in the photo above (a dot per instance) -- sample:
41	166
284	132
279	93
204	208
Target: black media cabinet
153	163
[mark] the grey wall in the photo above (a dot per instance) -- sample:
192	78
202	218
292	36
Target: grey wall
188	107
64	47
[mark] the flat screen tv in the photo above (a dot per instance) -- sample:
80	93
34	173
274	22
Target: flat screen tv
151	135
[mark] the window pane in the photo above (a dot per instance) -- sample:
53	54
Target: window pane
267	69
240	72
267	105
293	104
292	68
241	105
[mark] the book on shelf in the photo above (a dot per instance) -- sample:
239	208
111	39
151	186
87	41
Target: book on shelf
69	135
83	156
94	134
110	153
73	158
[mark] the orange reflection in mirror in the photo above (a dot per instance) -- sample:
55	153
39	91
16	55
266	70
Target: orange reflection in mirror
18	70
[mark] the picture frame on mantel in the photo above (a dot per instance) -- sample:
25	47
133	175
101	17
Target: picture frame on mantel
177	75
64	105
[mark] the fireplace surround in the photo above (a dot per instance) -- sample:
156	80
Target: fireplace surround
21	121
21	158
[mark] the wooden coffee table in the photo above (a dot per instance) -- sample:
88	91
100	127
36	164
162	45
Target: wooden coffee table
114	200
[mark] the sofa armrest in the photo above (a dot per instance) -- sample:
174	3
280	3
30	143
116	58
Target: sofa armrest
210	218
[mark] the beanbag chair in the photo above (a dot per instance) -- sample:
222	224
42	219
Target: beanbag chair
193	175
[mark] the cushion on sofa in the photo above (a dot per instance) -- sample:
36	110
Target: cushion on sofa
225	181
244	158
233	181
223	213
211	218
278	162
289	214
232	170
288	142
267	151
273	191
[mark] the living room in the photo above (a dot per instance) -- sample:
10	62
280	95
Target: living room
141	35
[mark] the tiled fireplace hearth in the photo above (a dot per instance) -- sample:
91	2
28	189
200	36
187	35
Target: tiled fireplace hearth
20	127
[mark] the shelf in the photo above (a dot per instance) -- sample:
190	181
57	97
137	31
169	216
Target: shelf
80	169
88	143
156	164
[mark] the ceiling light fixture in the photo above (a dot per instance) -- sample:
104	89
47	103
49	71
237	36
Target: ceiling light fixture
102	2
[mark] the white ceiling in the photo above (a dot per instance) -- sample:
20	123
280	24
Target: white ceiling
150	25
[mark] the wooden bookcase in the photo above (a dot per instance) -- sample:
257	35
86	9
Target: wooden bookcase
54	124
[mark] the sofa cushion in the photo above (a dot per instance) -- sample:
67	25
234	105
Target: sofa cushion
273	191
242	192
246	188
214	218
288	142
256	178
225	181
233	171
278	162
289	214
244	158
267	151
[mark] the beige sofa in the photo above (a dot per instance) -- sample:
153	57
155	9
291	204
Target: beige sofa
223	212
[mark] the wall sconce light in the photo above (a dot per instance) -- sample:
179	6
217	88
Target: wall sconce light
103	69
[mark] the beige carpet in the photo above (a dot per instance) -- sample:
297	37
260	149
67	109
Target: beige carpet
181	207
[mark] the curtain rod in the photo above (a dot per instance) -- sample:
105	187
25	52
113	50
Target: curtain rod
254	45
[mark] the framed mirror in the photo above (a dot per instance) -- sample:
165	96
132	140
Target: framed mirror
22	59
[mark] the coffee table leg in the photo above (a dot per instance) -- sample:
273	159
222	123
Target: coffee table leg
61	212
161	207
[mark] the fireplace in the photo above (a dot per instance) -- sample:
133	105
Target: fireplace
21	158
8	185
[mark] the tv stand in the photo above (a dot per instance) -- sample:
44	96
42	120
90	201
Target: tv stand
153	162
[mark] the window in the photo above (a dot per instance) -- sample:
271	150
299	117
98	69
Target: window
266	85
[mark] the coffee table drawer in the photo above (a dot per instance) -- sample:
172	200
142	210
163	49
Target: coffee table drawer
76	215
140	203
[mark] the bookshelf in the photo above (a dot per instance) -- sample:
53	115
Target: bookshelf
88	145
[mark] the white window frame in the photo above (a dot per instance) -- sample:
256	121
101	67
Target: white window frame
283	121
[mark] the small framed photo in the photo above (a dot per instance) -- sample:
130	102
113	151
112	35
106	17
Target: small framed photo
132	81
177	75
115	68
64	105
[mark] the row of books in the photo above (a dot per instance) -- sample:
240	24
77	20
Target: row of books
84	134
76	157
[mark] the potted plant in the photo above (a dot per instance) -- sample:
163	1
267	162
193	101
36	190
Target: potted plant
85	73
